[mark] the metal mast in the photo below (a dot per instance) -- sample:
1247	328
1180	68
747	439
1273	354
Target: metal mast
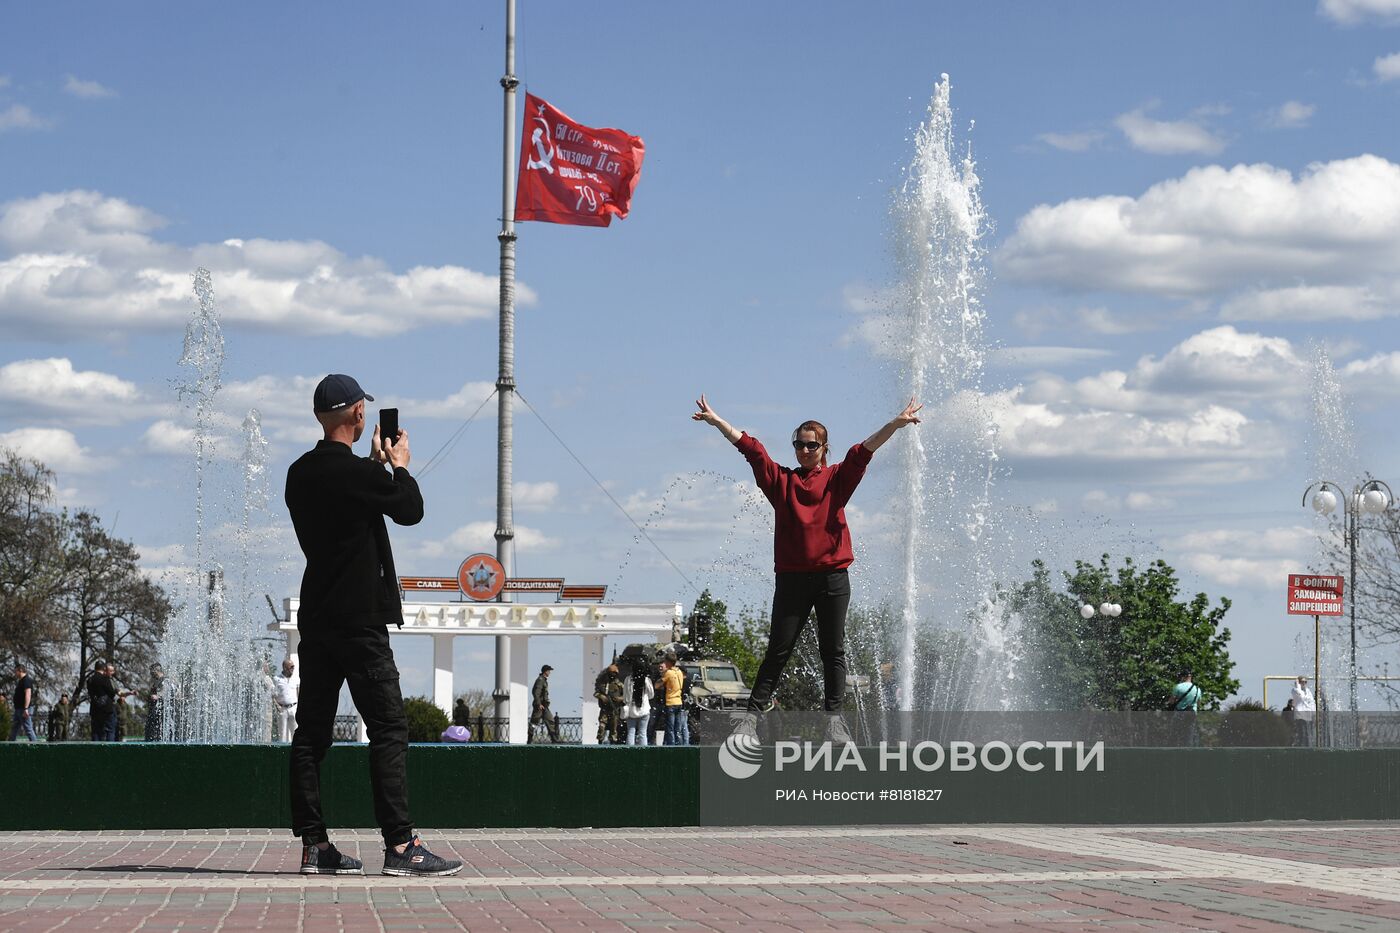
505	380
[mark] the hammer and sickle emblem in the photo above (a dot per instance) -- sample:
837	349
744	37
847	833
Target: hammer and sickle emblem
544	148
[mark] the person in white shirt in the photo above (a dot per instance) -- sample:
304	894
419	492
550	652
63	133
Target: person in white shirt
1304	705
638	708
284	693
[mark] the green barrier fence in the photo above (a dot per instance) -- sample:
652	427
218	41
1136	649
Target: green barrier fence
93	786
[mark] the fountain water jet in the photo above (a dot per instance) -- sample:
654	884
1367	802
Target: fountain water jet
216	691
937	338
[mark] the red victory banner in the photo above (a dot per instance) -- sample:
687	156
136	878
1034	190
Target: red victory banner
571	173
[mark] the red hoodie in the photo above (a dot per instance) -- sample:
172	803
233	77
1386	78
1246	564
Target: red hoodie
809	506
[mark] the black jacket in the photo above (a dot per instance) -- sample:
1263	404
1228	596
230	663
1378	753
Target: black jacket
338	502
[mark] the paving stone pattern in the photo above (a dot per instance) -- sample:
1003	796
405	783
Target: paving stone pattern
1276	876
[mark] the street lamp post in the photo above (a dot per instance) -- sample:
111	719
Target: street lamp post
1106	609
1373	496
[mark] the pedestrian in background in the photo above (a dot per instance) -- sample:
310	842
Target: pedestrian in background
638	710
155	704
23	720
285	687
102	703
539	708
1304	709
1185	697
672	684
58	719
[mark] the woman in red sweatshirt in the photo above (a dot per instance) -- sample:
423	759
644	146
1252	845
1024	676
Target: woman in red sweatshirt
811	544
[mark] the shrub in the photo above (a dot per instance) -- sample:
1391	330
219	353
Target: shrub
425	721
1248	723
5	721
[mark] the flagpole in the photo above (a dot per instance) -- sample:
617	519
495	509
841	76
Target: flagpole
505	380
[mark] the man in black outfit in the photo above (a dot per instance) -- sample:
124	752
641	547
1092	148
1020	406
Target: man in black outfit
102	703
349	595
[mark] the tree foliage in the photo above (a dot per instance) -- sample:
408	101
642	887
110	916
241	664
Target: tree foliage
62	577
31	565
1062	661
426	722
1124	663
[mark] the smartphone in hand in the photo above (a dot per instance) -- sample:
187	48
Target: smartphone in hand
388	426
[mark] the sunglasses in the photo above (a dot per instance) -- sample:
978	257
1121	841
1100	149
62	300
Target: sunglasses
806	445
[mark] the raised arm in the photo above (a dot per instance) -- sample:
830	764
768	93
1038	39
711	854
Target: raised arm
908	416
707	415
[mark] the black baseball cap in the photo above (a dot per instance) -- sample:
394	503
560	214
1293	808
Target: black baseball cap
546	668
336	391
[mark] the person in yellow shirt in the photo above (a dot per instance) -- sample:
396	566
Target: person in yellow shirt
672	684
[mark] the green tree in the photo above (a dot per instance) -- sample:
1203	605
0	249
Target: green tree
1058	675
426	722
1133	660
102	580
31	567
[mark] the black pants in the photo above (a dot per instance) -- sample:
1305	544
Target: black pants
104	724
362	657
795	595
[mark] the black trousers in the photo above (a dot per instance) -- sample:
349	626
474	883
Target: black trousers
795	595
364	659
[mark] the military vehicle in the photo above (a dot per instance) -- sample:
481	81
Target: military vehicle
715	682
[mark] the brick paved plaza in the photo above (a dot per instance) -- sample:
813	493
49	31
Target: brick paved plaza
1277	876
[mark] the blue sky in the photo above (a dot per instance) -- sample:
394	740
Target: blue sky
1183	197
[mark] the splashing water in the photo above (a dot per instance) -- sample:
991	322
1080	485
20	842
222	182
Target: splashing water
216	689
1331	456
937	337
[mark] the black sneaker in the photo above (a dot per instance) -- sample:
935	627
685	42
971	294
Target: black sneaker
331	861
416	861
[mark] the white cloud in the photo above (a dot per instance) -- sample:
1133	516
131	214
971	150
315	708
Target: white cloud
167	437
1387	67
1217	230
1351	12
1091	320
1139	501
1259	560
1044	357
534	497
1188	413
78	263
1071	142
4	82
1167	137
470	538
1375	375
1216	365
1098	500
1216	443
57	449
20	117
88	90
53	386
1309	303
457	406
1291	114
1223	360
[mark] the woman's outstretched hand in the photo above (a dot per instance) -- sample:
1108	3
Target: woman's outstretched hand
707	415
910	415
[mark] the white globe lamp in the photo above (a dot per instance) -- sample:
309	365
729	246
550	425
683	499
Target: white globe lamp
1324	501
1086	611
